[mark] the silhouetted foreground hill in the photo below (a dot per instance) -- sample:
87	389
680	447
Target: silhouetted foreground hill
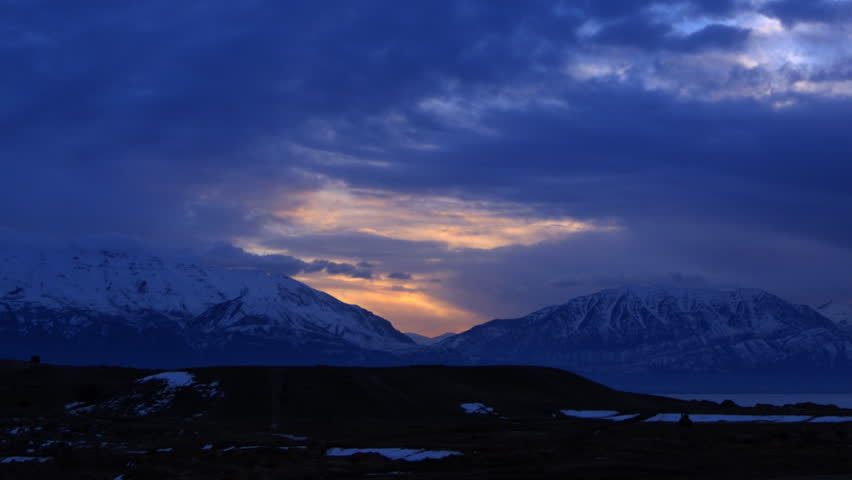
424	422
322	392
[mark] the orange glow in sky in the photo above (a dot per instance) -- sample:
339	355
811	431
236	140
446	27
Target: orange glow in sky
455	222
409	308
416	304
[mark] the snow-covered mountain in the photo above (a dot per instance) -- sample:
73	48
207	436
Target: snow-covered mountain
85	306
643	330
839	313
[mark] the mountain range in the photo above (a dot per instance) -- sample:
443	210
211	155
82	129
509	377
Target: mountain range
78	306
82	307
633	336
839	313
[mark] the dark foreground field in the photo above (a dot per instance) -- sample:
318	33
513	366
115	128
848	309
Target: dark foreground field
258	422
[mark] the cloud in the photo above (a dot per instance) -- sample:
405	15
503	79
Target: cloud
456	222
399	276
792	11
229	256
717	36
400	288
503	156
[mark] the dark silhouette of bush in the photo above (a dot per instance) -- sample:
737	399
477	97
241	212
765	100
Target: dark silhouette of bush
35	359
88	393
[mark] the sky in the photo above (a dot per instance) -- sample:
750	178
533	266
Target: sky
442	163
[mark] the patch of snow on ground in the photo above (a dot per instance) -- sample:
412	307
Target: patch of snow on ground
407	454
145	403
589	413
477	409
622	418
831	419
172	379
209	390
207	447
288	436
715	418
295	447
727	418
789	418
24	459
78	408
665	418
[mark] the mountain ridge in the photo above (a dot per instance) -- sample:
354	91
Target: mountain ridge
642	330
70	299
79	306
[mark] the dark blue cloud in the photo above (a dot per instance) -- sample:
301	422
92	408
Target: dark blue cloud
649	34
189	122
229	256
399	276
717	36
794	11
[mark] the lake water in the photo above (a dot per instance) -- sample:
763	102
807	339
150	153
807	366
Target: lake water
843	400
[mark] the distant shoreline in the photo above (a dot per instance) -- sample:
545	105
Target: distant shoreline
840	399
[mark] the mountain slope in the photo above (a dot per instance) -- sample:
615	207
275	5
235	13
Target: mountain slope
642	330
103	306
839	313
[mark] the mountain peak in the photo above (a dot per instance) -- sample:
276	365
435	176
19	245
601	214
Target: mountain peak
80	295
648	328
699	293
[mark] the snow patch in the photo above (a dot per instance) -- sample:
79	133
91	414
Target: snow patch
143	403
831	419
19	459
173	380
665	418
713	418
407	454
589	413
477	409
728	418
622	418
